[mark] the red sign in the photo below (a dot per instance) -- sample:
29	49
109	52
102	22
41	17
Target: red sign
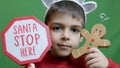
26	40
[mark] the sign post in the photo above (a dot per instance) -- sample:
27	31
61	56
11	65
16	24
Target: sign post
26	40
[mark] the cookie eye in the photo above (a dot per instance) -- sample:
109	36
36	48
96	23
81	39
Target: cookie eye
96	29
100	31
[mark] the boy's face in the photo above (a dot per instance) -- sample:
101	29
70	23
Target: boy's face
65	33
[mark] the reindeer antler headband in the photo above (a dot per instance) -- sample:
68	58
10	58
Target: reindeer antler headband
87	6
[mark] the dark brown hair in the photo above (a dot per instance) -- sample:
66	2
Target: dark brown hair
66	7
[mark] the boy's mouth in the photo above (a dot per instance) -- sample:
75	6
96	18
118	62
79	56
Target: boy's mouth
64	46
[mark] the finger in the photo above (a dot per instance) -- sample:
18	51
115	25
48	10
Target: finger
93	50
91	56
94	65
92	61
31	65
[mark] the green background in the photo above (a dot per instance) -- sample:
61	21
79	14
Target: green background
10	9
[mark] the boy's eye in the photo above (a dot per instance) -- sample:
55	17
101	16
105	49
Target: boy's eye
56	28
75	30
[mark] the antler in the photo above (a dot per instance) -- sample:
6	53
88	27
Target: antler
89	6
81	1
47	3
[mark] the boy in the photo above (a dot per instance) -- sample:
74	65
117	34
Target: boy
65	20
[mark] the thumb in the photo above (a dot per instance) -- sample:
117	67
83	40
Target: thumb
31	65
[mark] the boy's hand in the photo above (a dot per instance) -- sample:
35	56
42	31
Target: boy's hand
31	65
96	59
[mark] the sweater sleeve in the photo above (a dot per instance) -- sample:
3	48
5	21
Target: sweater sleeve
112	64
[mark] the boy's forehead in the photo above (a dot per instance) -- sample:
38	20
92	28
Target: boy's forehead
65	15
66	19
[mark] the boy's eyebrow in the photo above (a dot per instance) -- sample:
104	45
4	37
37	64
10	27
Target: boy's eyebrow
55	23
77	26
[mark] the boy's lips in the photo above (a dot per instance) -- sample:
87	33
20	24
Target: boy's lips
64	46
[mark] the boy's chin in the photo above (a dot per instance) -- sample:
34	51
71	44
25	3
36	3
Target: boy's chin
64	54
61	53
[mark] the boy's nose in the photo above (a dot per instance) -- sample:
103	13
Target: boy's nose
65	35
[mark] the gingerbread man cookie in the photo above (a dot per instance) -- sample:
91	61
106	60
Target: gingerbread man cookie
93	39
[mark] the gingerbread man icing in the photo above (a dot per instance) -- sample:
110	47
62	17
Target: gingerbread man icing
93	39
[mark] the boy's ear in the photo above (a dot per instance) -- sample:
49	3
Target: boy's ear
89	6
47	3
